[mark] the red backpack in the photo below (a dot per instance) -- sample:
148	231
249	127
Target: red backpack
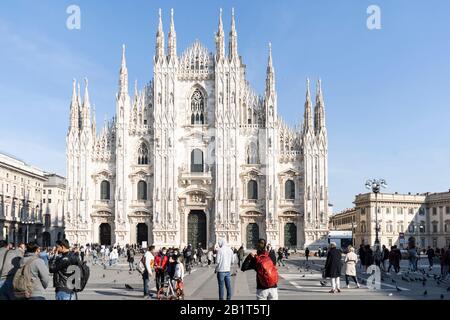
266	271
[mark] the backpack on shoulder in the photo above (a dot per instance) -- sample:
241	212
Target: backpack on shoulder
141	265
22	282
266	271
85	273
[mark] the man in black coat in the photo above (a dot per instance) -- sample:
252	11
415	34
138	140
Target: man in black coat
333	268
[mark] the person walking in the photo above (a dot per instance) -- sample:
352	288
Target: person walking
34	275
240	255
350	261
130	257
59	265
307	254
225	258
280	257
333	268
368	257
199	254
412	251
362	257
385	254
209	256
264	263
10	260
430	256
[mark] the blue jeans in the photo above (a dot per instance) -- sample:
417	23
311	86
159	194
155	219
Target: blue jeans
6	289
61	295
146	278
224	277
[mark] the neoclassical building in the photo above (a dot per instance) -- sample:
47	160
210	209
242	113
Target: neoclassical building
195	156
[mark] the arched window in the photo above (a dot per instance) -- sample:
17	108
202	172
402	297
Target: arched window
143	154
142	190
289	190
252	190
197	108
105	190
197	161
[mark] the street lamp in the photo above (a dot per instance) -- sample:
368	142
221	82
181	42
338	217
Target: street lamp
375	185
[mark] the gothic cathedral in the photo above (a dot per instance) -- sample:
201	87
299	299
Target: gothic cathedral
196	156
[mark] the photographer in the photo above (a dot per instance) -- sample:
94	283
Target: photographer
62	259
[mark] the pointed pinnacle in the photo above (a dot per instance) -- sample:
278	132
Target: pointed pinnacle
233	23
172	22
270	55
160	25
124	60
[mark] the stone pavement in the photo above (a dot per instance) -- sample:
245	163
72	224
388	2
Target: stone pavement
299	280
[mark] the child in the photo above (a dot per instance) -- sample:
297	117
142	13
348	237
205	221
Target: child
178	277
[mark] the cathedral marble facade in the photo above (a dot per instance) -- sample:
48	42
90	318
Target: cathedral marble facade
195	156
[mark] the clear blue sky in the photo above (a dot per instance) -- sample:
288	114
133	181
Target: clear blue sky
387	92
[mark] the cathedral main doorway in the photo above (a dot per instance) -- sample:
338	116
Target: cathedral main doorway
142	233
290	235
252	235
105	234
197	229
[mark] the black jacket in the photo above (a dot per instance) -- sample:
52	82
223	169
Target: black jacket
250	264
58	266
333	264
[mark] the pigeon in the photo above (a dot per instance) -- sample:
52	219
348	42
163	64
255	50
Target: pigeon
448	289
424	283
425	293
442	297
398	289
303	276
127	286
323	283
104	276
115	281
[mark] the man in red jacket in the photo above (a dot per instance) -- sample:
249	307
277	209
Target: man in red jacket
161	261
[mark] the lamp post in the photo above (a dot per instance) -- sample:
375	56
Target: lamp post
375	185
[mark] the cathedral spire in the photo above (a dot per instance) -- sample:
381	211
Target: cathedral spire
123	79
308	119
233	38
220	39
74	108
172	37
319	112
270	78
86	113
160	39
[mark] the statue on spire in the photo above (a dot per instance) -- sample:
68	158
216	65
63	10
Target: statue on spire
233	38
172	46
220	39
123	78
160	39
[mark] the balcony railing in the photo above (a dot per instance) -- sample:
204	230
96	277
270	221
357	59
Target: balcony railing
205	176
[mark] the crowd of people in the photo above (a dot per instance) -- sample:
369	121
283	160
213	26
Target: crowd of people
25	269
383	258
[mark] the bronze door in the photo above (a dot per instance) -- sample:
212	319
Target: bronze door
252	235
197	229
290	235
